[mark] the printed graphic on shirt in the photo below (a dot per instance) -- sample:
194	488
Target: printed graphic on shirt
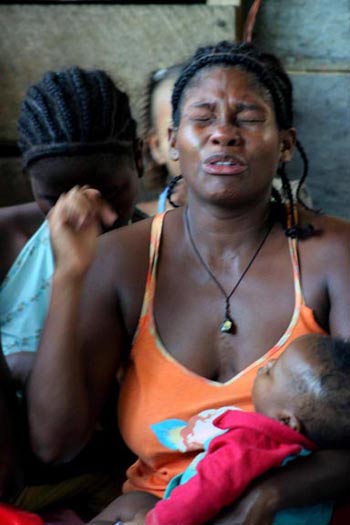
194	434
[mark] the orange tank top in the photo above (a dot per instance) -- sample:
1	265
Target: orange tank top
157	387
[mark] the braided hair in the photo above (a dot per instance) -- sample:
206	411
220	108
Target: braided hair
270	73
71	112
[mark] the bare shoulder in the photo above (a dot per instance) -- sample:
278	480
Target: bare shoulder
20	221
325	266
331	235
24	216
126	249
17	225
119	271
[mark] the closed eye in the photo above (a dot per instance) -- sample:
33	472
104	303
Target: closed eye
250	119
250	116
201	117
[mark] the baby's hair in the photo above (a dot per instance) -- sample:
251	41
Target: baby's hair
155	176
323	394
71	112
270	74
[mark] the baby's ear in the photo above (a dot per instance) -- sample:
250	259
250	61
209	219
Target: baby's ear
289	418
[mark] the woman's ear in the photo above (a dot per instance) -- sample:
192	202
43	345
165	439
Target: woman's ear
288	139
288	418
172	134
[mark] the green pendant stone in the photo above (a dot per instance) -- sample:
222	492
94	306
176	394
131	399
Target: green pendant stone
226	326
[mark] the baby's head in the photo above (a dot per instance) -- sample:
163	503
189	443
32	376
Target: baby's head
308	389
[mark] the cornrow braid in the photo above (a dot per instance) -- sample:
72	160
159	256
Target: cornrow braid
82	103
73	111
56	91
269	72
262	65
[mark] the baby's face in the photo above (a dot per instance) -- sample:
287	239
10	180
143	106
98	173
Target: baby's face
274	388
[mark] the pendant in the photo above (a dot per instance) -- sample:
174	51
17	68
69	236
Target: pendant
226	326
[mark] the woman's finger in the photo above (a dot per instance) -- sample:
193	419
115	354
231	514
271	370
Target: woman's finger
104	211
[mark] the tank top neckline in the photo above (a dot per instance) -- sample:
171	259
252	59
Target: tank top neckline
147	311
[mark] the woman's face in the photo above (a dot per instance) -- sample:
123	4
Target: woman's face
228	142
114	176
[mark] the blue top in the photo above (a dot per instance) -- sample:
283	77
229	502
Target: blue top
162	200
25	294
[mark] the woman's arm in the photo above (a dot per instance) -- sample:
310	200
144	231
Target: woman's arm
322	476
338	281
65	394
129	508
20	365
11	478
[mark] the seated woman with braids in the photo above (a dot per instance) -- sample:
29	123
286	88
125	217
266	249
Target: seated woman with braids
184	308
75	128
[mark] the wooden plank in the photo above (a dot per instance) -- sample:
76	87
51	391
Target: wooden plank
128	41
235	3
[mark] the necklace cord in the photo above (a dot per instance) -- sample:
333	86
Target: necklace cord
209	271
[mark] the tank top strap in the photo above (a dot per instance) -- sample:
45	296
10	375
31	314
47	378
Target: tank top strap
155	238
294	254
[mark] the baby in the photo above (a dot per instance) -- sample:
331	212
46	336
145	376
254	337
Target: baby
302	402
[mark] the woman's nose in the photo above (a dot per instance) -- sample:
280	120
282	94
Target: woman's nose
226	134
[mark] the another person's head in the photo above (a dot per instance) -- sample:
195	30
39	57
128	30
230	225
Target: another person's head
159	166
75	128
232	112
308	389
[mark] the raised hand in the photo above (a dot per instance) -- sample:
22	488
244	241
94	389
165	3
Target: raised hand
75	222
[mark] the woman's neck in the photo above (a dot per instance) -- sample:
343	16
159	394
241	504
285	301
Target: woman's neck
222	230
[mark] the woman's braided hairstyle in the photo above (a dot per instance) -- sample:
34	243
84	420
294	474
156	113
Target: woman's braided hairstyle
270	73
71	112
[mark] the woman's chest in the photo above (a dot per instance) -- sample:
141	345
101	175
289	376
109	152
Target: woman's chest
263	310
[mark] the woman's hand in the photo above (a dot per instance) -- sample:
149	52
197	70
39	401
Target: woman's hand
75	222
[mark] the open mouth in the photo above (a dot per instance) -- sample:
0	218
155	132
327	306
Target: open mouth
224	165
